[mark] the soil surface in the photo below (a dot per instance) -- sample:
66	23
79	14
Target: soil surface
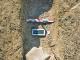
15	33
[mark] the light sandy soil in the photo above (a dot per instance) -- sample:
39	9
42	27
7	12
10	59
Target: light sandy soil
10	30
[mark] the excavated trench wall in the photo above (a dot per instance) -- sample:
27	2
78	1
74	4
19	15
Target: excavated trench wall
15	34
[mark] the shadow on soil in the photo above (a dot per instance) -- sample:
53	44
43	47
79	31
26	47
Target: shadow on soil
32	9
